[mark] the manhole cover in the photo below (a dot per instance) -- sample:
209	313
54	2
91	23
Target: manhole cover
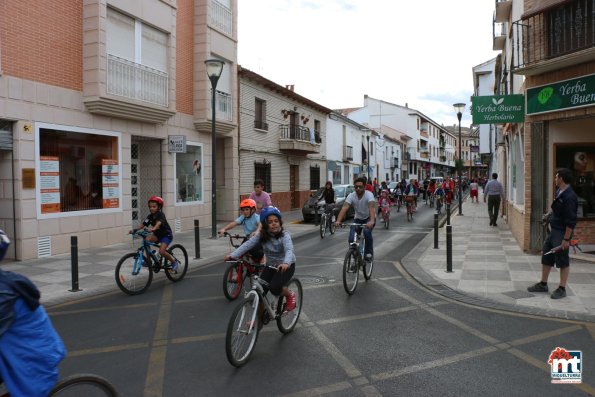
311	280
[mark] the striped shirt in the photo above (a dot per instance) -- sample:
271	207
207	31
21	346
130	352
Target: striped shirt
494	188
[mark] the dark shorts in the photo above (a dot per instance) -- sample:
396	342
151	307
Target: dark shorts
561	259
166	239
276	279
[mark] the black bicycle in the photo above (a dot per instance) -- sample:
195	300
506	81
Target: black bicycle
327	221
134	272
88	385
354	260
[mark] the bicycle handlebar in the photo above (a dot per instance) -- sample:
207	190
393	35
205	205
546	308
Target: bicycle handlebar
236	237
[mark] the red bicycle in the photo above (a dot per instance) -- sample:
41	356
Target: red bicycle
386	216
238	271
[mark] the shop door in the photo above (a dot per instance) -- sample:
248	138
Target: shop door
293	184
145	175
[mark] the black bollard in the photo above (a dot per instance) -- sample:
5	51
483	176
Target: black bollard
435	231
74	264
448	214
196	240
448	249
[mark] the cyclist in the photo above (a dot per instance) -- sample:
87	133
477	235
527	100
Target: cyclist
363	202
250	220
412	191
398	192
328	194
30	348
384	202
278	248
156	222
439	195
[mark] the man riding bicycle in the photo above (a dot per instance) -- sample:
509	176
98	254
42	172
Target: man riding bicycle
364	205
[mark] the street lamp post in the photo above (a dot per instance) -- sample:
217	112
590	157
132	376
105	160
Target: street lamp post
214	69
459	109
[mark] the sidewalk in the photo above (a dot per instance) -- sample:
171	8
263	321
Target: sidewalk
96	266
490	270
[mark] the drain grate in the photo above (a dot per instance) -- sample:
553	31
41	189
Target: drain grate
312	280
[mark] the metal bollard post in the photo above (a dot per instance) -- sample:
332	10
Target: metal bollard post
435	231
74	264
448	249
196	240
448	214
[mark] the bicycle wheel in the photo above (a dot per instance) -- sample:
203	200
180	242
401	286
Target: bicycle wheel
350	271
131	277
84	385
386	217
332	227
233	279
242	332
322	225
286	321
367	268
179	253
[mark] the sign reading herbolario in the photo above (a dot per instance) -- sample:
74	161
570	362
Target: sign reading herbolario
110	182
498	109
49	184
567	94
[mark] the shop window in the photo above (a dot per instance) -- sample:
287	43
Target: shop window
189	180
78	171
580	159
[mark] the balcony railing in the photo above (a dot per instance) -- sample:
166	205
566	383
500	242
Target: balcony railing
299	133
347	153
554	33
223	106
424	133
221	18
261	125
134	81
499	34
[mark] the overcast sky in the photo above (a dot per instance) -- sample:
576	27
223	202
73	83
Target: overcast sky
335	51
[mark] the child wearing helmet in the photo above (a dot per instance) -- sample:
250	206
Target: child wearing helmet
383	201
250	220
278	248
156	222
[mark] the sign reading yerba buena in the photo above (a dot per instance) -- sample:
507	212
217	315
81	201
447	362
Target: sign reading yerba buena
567	94
498	109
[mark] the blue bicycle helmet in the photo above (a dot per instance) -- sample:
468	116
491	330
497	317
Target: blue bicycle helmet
4	243
269	211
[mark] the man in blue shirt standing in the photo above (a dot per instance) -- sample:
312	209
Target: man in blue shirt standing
494	193
562	220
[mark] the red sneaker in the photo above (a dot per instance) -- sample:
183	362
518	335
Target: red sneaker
290	302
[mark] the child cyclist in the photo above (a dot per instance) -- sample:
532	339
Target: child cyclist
278	248
439	194
384	202
250	220
156	222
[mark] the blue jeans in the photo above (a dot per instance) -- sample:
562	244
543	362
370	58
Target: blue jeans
369	249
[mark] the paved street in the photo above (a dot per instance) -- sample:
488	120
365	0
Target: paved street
394	336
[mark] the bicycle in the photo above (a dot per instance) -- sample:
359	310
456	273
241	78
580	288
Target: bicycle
134	271
326	221
409	203
399	202
354	260
247	319
238	272
78	385
432	199
439	203
385	211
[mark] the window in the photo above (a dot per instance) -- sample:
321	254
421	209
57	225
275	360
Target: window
314	178
189	181
137	59
580	159
317	131
78	171
263	171
260	114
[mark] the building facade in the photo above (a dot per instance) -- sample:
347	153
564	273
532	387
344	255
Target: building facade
106	104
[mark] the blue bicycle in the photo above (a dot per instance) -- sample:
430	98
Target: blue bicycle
134	272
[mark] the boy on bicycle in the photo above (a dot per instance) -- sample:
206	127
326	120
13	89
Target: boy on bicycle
30	348
250	220
439	194
156	223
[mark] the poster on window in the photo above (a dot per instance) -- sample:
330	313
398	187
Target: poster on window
49	184
110	183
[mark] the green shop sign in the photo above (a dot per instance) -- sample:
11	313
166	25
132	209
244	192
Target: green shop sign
567	94
498	109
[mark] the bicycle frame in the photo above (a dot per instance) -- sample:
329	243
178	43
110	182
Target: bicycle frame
258	293
146	247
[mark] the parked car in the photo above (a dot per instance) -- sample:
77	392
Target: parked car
309	210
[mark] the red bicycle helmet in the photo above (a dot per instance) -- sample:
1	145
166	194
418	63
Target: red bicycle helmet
158	200
248	203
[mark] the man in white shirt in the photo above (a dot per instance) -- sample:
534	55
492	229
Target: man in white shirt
364	205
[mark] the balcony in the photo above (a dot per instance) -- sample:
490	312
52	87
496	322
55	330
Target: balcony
133	91
503	10
221	18
554	38
424	134
223	106
298	140
395	162
347	153
499	34
424	155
